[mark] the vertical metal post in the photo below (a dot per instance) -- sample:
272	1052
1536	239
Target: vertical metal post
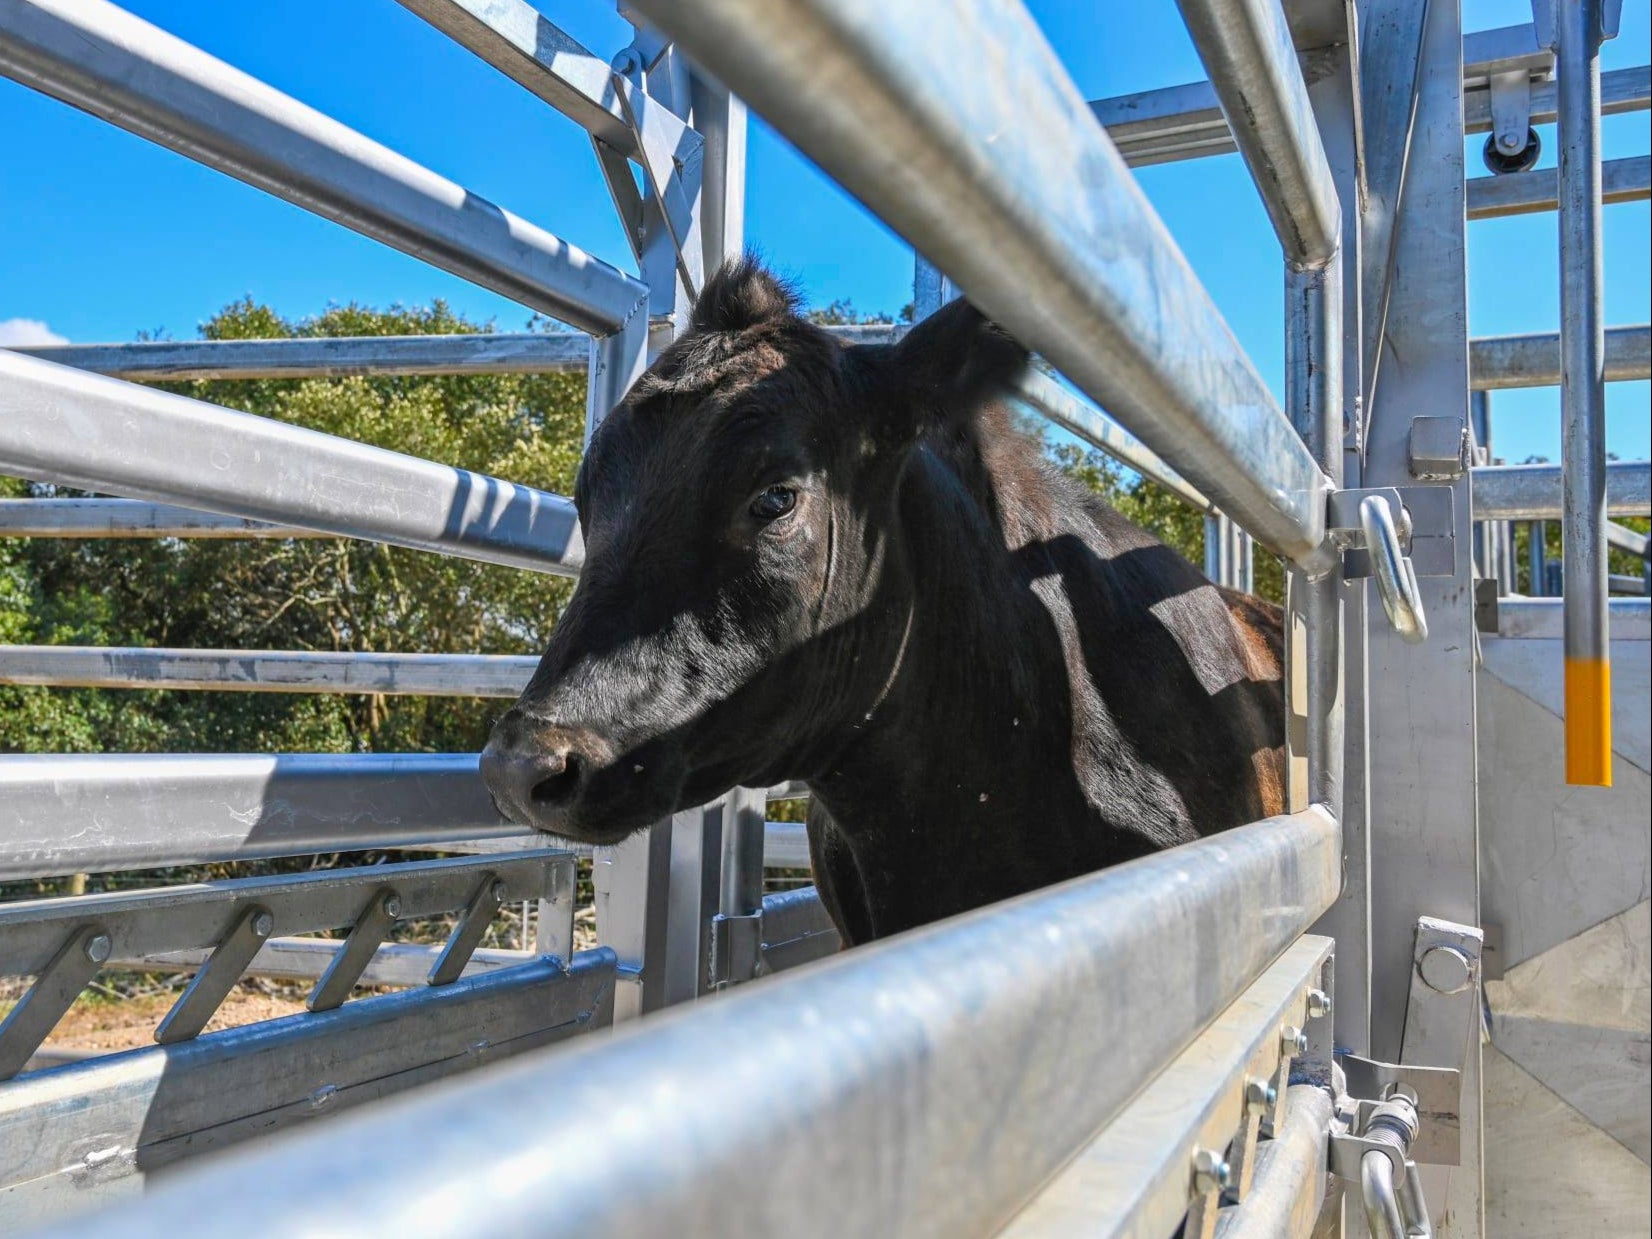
1537	557
1422	740
1582	395
1328	412
1244	561
1213	547
1485	532
930	288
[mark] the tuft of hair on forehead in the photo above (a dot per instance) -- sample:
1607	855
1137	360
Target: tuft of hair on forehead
742	294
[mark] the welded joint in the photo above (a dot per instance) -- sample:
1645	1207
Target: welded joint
1439	449
1548	35
735	950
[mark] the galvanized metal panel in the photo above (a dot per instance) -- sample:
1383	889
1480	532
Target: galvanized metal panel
79	1135
105	61
917	1086
101	434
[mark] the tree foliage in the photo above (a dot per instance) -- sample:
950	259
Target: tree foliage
300	594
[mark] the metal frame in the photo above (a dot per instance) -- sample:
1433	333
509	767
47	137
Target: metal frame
1534	492
1497	362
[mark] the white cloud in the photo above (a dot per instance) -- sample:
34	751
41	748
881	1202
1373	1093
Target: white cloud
22	332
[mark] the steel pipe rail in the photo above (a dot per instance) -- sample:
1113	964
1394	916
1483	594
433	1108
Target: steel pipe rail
267	671
1622	90
1523	193
994	168
1246	48
1498	362
1625	539
129	518
1533	492
63	814
307	959
326	357
105	61
949	1067
1288	1192
96	433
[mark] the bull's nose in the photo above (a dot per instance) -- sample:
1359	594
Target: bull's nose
534	778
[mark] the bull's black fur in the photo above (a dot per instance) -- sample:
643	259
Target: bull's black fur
989	678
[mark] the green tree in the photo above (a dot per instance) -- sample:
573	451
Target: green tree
301	594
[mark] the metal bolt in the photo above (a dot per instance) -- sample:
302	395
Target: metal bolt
1292	1040
1319	1004
626	63
1211	1172
1445	969
498	892
263	925
392	905
1260	1094
98	947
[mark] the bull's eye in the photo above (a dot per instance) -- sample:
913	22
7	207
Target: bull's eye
774	503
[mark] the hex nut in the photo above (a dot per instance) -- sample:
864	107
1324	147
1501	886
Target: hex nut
1292	1040
1319	1004
1211	1172
392	905
98	947
1445	969
263	925
1260	1094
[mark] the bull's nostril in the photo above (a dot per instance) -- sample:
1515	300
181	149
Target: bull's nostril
560	781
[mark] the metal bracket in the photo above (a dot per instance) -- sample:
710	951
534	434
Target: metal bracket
1439	448
54	991
1438	1092
1511	111
736	948
1442	1013
1543	20
1426	524
1375	525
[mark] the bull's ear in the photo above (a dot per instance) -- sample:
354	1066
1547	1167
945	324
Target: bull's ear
955	360
742	293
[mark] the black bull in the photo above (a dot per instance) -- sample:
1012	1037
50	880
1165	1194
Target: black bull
845	565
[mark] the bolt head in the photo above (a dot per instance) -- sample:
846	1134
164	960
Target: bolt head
98	948
1445	969
263	925
1260	1094
1319	1004
392	905
1292	1040
1211	1172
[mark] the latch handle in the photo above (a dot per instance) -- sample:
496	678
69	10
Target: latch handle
1396	580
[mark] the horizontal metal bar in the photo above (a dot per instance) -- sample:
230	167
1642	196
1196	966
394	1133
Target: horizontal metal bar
1622	90
84	430
99	813
1505	49
1185	122
89	1132
1048	398
1623	583
1626	539
305	959
197	916
1008	185
1523	193
1246	48
786	845
1132	1178
1532	492
129	518
1628	619
1497	362
796	930
267	671
105	61
942	1059
317	357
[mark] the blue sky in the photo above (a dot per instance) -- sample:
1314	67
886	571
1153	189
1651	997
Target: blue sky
103	235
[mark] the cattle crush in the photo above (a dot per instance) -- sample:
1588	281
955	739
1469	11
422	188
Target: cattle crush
1389	1009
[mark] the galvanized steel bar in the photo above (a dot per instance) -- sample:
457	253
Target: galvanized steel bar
1583	395
63	814
1246	48
96	433
949	1023
105	61
1523	193
267	671
1625	539
129	518
1497	362
1534	492
324	357
1629	619
993	167
306	959
1622	90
